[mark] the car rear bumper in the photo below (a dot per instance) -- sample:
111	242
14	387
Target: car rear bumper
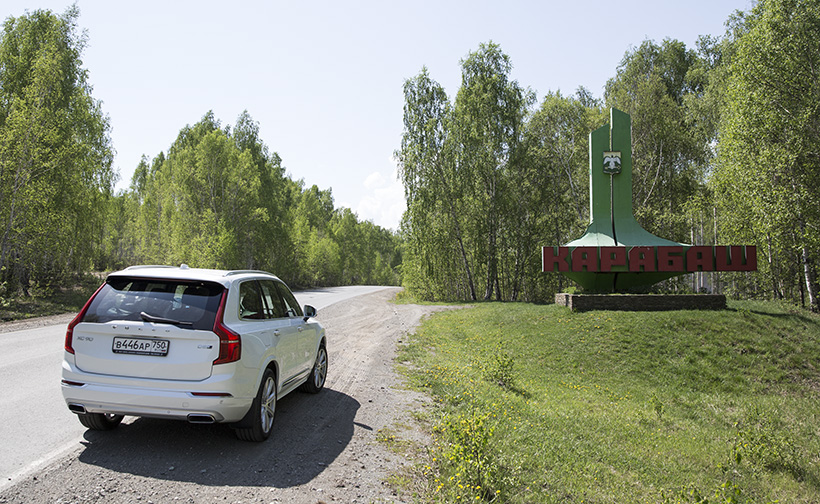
92	398
176	400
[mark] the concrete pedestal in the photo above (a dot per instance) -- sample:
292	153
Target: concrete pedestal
641	302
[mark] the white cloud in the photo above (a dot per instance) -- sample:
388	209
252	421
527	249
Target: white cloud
384	202
375	181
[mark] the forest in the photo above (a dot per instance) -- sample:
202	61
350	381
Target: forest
725	144
726	150
218	198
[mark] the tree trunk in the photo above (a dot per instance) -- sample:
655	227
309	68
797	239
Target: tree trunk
464	260
715	276
770	259
809	274
492	263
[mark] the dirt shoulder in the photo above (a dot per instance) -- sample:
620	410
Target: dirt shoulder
324	447
33	323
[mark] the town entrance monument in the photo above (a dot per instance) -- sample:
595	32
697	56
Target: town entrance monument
616	254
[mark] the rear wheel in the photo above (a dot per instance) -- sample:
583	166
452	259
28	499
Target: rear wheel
100	421
318	375
262	411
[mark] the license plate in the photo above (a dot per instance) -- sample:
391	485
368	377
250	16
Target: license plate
139	346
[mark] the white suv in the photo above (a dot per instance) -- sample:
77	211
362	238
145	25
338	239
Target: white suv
192	344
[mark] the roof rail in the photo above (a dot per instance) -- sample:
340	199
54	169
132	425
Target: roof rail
143	266
240	272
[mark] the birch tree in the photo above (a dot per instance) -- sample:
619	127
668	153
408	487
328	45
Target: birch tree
769	154
55	152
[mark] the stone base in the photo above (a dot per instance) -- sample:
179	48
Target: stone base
641	302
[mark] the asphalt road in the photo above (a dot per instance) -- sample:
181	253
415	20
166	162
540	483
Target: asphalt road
36	424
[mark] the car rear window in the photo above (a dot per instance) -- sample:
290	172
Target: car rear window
188	304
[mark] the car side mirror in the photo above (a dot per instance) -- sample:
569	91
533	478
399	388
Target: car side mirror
310	312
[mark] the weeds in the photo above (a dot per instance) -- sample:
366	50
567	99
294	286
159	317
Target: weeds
500	369
467	466
657	405
766	443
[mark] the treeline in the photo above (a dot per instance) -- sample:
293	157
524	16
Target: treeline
726	149
55	153
725	146
217	198
220	199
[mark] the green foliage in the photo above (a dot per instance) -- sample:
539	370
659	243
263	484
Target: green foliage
767	444
657	406
217	198
655	84
48	301
487	126
463	445
674	407
437	263
220	199
766	178
484	186
499	369
724	144
553	183
55	153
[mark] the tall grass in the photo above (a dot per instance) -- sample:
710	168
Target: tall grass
538	404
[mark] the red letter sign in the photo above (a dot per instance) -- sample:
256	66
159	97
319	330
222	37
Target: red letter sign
669	262
612	256
585	257
641	257
551	259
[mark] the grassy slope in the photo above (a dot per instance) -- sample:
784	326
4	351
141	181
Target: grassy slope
542	405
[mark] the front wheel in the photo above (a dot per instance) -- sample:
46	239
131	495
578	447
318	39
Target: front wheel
262	411
100	421
318	375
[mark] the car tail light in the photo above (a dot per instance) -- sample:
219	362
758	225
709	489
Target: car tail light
69	333
230	344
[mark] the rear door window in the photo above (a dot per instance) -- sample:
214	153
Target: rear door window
188	304
251	305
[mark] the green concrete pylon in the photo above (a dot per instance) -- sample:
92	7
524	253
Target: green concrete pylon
611	221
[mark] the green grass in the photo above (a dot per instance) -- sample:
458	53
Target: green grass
538	404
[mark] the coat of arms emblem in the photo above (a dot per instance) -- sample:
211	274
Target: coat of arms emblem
612	162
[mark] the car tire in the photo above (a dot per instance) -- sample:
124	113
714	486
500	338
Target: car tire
263	409
318	375
100	421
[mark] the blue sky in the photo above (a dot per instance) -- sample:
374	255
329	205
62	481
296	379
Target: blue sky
324	79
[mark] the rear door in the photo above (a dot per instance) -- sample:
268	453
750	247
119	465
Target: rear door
150	328
306	332
286	336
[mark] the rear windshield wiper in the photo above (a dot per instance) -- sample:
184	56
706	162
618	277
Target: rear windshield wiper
163	320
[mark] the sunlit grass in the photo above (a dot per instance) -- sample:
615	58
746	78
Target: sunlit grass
621	407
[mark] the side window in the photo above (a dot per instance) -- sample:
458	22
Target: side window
274	306
250	301
291	305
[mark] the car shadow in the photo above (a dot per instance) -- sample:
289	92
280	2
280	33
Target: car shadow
309	433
